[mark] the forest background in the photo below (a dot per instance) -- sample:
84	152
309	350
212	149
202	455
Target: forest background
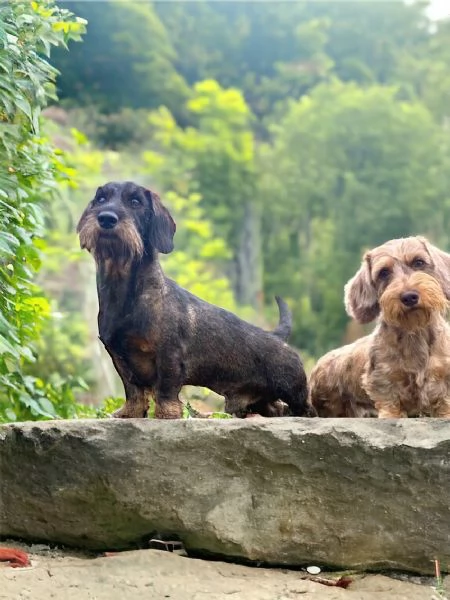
285	137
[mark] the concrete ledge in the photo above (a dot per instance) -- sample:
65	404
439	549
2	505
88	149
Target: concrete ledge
347	493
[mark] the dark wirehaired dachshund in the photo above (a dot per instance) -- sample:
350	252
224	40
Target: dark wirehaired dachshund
160	337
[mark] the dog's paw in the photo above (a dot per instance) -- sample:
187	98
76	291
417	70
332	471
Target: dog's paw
127	412
311	411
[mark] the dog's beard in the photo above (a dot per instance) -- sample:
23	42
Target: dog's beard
409	319
432	303
120	245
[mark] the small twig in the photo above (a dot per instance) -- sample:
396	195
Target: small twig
342	582
439	582
196	414
437	569
167	545
193	412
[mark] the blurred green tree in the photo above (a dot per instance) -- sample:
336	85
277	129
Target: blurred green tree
215	158
268	50
273	50
126	60
197	263
425	71
366	39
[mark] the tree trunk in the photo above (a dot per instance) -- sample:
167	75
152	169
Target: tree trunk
248	284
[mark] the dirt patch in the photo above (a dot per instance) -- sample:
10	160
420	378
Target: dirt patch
61	575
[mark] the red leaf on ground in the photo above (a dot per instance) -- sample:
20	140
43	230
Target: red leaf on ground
16	558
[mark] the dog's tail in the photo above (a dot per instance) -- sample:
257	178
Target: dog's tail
284	327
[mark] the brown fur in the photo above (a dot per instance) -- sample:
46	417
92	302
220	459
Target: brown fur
126	243
335	382
403	367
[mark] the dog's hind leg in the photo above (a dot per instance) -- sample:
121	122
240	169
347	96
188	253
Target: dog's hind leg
268	408
275	408
297	401
234	407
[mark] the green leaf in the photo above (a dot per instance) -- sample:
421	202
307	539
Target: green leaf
47	407
7	347
220	415
23	105
10	415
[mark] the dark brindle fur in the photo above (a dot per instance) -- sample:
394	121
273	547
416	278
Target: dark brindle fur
160	337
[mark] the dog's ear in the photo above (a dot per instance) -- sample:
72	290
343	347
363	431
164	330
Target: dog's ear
162	226
86	211
441	262
361	300
83	216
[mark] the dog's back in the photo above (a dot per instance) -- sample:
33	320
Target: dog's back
335	388
235	358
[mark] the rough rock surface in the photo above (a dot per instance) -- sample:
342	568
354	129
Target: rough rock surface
365	494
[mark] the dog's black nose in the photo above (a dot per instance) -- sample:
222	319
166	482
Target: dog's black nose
409	298
107	219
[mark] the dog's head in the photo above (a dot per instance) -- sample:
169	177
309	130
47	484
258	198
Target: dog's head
407	279
124	221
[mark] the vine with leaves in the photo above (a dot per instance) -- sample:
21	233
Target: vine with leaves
29	175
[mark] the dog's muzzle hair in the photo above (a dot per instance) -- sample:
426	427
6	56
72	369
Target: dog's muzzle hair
108	235
411	302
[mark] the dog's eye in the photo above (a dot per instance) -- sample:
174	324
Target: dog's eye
384	273
135	202
101	199
418	263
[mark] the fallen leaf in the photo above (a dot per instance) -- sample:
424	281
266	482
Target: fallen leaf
16	558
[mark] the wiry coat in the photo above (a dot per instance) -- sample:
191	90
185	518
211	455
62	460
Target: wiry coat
403	367
161	337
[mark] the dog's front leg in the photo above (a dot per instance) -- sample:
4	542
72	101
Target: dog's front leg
168	385
136	397
442	410
167	403
168	406
388	408
136	403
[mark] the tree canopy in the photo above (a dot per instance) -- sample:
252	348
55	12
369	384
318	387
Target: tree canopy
125	60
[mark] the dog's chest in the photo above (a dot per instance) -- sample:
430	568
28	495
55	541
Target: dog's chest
141	355
138	353
421	387
413	371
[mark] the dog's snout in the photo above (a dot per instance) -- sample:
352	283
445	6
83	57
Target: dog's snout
107	219
409	298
